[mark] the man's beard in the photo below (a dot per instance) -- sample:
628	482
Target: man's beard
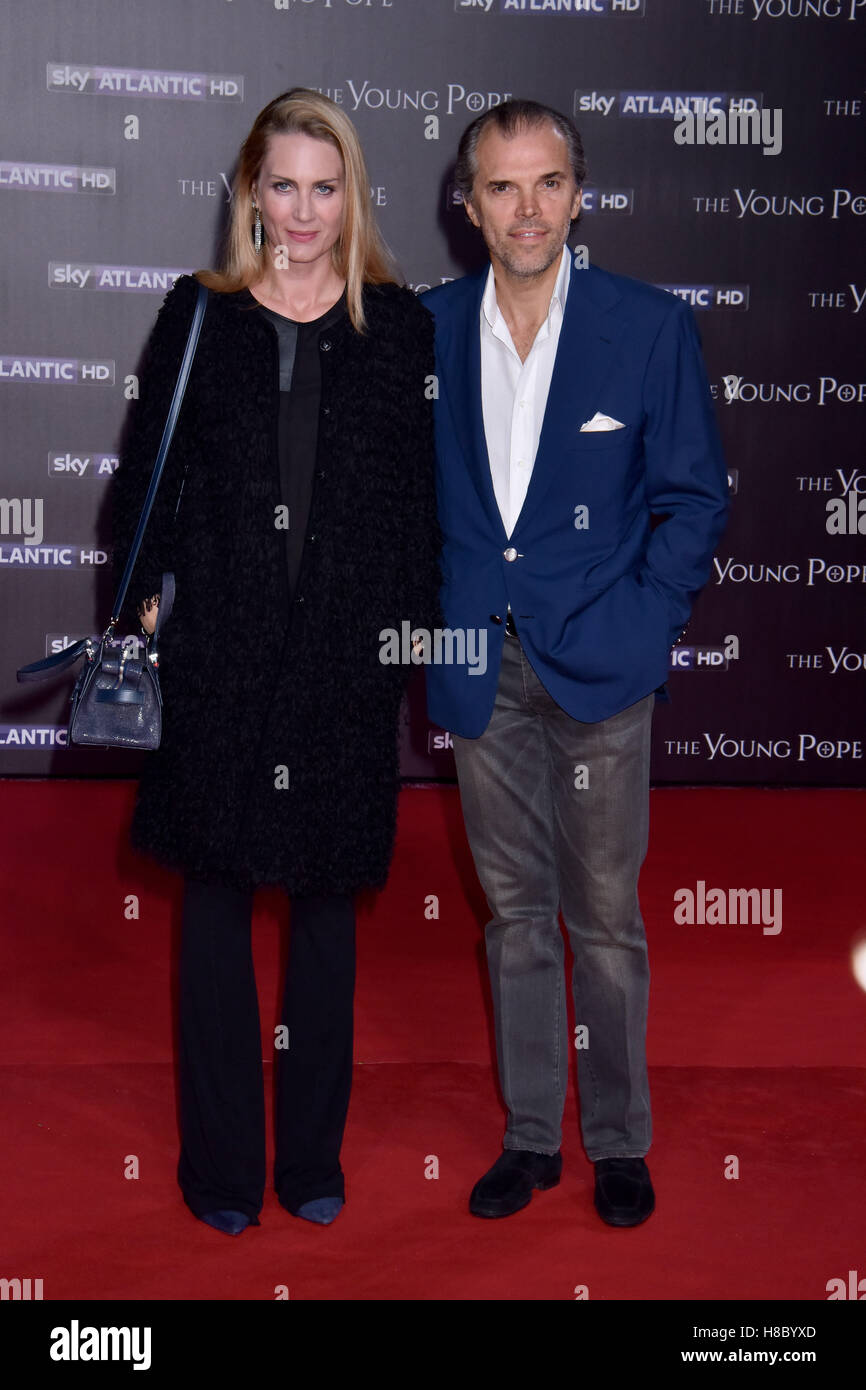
529	270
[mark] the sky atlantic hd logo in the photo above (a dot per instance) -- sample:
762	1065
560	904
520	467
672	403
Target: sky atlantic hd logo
141	279
705	658
594	200
84	463
710	296
57	178
57	371
549	7
52	557
606	199
32	735
666	105
439	740
88	79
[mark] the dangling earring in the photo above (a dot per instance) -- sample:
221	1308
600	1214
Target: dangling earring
257	233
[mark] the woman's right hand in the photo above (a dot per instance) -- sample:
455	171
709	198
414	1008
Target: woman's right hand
147	614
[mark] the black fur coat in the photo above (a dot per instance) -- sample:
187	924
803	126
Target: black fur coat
279	759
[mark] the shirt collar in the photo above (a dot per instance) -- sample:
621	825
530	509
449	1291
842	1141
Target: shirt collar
490	308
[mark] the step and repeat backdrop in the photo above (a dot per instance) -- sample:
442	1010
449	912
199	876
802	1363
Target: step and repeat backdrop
726	164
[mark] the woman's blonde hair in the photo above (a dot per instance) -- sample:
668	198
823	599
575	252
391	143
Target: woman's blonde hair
359	255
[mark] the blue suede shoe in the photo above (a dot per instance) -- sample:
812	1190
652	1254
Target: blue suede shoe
231	1222
322	1210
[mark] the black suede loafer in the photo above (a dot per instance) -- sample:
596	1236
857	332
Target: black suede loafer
508	1186
623	1192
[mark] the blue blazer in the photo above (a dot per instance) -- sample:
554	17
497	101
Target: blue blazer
599	605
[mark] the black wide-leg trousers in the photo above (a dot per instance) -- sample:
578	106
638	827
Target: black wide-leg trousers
222	1160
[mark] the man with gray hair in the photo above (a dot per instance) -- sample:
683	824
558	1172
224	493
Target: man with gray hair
582	491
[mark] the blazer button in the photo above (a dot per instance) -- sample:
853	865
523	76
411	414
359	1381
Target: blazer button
326	410
325	345
495	618
312	537
321	473
510	553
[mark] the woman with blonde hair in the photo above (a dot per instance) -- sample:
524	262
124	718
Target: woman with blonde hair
297	513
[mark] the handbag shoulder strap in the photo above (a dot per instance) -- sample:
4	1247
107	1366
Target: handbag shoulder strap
162	452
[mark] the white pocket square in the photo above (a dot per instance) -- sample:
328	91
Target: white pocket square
601	422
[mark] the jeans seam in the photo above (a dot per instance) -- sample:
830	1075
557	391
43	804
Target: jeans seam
551	796
599	1157
515	1148
551	817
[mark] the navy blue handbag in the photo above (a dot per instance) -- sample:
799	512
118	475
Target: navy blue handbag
116	701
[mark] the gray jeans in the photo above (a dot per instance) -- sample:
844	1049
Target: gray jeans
547	836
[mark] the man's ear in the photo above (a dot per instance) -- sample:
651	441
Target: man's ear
575	207
471	213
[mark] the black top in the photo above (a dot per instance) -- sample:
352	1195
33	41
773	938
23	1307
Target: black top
300	397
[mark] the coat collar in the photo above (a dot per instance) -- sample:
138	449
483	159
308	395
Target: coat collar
376	300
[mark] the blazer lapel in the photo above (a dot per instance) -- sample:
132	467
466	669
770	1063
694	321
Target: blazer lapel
461	361
588	340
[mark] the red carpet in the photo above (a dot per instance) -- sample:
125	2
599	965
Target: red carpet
756	1047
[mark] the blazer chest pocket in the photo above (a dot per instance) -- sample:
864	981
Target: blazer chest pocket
603	439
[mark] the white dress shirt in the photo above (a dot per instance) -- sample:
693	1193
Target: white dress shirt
514	393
